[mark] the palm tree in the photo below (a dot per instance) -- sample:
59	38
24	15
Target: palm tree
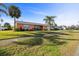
15	13
3	11
50	21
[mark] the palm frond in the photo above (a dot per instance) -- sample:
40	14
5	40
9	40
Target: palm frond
3	11
1	4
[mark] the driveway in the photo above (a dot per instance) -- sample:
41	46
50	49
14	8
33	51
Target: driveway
10	41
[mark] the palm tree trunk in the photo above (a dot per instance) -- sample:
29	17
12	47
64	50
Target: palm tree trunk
48	27
14	23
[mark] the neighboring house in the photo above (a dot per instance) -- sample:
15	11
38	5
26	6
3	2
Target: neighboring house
62	27
30	26
58	27
3	28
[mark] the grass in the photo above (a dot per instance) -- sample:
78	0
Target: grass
30	41
54	43
14	34
21	50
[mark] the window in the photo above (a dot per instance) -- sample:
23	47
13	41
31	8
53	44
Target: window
26	27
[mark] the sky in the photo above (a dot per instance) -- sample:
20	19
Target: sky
66	13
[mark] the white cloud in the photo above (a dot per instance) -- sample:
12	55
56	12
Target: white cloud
67	18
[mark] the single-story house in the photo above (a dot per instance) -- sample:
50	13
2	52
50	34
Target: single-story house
30	26
3	28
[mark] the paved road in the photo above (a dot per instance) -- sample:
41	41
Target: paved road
10	41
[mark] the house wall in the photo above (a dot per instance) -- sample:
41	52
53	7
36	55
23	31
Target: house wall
30	27
20	26
44	28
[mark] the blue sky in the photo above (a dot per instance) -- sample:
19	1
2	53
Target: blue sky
67	14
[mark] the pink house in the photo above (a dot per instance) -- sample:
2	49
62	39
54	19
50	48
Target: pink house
30	26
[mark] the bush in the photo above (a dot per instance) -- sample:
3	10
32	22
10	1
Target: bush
17	29
8	26
32	41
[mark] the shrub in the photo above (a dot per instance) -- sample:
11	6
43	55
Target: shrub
8	26
17	29
32	41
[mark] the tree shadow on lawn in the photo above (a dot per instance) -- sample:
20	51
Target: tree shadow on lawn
30	42
53	37
43	34
55	40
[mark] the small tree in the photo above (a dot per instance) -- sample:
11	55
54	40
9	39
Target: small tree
8	26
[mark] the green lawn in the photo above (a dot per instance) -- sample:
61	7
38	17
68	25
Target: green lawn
54	43
22	50
14	34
